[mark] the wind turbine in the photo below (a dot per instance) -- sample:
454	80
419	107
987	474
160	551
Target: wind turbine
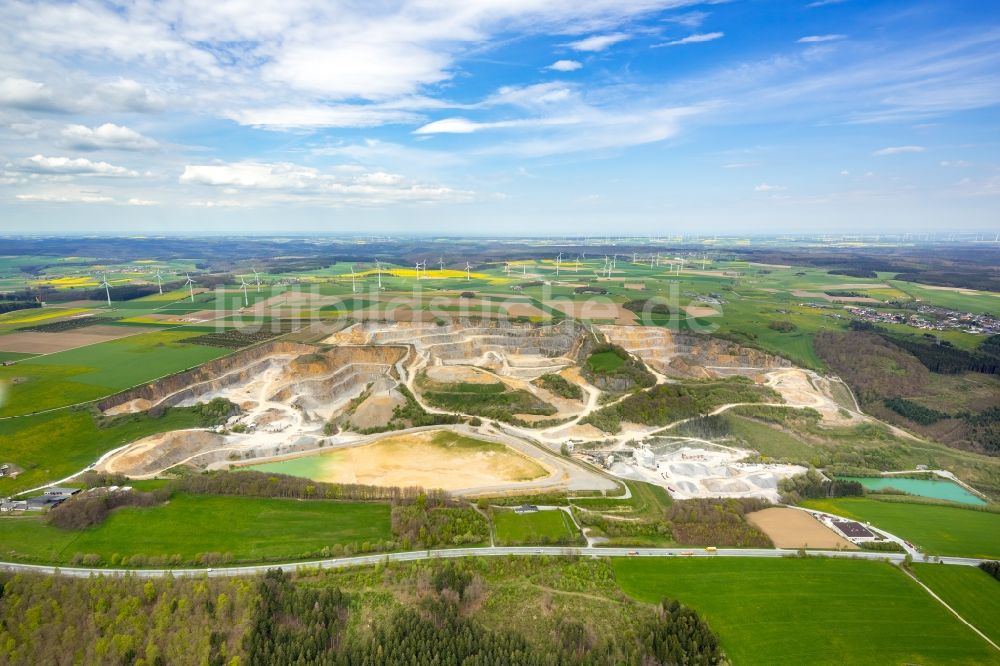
651	261
418	270
256	277
159	280
704	260
107	288
440	264
468	269
506	268
576	268
378	269
558	263
244	285
190	284
354	284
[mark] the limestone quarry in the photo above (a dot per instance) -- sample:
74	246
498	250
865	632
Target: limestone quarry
299	400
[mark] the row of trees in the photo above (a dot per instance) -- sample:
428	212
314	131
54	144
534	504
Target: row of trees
813	485
260	484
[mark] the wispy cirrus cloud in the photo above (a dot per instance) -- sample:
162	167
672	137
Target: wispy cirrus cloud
697	38
819	39
898	150
598	42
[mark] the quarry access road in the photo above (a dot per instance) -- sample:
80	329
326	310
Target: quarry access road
448	553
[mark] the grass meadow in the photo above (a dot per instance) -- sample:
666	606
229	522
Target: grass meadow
91	372
251	529
972	592
516	529
809	611
935	529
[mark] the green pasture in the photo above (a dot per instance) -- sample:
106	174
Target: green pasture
937	530
87	373
251	529
972	592
541	527
56	444
809	611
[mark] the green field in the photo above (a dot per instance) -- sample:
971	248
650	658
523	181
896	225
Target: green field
54	445
88	373
249	528
937	530
604	362
972	592
542	527
809	611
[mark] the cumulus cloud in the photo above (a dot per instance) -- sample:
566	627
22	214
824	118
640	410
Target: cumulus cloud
818	39
598	42
693	39
26	94
63	166
285	182
108	135
142	202
898	150
765	187
565	65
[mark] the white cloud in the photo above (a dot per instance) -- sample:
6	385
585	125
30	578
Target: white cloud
344	70
898	150
26	94
598	42
956	163
845	172
60	166
285	182
124	95
818	39
764	187
565	65
68	197
107	135
298	117
142	202
697	38
688	19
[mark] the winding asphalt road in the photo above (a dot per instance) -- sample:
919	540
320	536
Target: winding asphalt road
488	551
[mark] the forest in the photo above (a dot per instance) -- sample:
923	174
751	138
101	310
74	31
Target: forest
431	613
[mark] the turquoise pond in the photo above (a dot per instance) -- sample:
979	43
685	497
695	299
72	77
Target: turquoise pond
934	488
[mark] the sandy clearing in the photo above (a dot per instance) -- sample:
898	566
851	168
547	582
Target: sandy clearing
448	374
791	528
635	286
417	460
36	342
595	309
377	409
701	311
151	454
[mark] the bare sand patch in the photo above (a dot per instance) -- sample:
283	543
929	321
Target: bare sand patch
791	528
37	342
437	459
377	409
449	374
634	286
701	311
155	453
595	309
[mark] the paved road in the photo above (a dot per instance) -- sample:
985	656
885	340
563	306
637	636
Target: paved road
491	551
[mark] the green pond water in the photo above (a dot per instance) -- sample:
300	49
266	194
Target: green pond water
934	488
309	467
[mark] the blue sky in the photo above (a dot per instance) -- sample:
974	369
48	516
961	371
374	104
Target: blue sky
499	116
